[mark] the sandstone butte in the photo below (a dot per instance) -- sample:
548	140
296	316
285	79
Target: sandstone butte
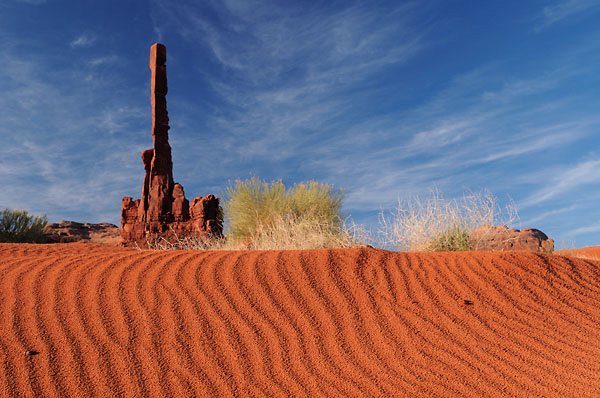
71	231
163	206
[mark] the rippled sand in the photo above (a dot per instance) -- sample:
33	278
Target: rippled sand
106	321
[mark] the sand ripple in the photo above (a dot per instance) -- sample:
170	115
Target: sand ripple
106	321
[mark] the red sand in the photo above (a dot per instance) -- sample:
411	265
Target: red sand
110	321
588	253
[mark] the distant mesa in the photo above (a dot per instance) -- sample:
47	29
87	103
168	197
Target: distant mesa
71	231
163	206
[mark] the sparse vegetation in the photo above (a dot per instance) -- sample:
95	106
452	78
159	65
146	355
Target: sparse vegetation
291	232
18	226
283	233
172	241
254	205
456	239
437	224
267	215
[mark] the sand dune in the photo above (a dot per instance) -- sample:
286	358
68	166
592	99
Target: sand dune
587	253
109	321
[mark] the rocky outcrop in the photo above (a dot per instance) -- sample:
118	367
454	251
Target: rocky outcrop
504	238
71	231
163	207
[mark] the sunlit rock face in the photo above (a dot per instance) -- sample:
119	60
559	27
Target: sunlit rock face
503	238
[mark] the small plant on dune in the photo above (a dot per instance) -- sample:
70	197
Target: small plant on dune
173	241
289	232
18	226
266	215
456	239
437	224
250	202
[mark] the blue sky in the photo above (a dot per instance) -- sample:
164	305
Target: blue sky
387	100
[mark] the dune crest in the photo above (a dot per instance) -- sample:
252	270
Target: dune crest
111	321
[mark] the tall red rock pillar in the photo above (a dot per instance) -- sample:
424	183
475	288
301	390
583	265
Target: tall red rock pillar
163	206
160	175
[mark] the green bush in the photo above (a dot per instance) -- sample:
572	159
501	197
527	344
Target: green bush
18	226
456	239
253	207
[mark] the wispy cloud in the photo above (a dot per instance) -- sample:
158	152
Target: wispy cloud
531	141
85	40
489	130
117	119
369	97
34	2
584	230
293	85
565	181
287	73
548	214
64	143
564	9
109	59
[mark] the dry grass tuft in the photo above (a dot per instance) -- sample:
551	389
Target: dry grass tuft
437	224
267	216
175	242
282	233
289	233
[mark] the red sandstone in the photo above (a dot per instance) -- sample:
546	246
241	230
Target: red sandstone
71	231
163	206
501	237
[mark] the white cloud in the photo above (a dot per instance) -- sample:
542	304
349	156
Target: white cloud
83	41
107	60
563	9
34	2
64	151
530	142
286	76
583	230
547	214
566	181
117	119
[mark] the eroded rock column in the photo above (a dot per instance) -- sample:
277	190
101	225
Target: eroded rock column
163	207
161	169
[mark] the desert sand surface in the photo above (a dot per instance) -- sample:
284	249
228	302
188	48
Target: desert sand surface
588	253
107	321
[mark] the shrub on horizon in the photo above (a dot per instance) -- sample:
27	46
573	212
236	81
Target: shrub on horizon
453	240
18	226
270	216
437	224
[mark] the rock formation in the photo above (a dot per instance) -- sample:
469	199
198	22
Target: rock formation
163	206
503	238
71	231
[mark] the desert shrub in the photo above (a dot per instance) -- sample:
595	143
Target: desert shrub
290	232
456	239
437	224
250	201
283	234
18	226
267	215
316	202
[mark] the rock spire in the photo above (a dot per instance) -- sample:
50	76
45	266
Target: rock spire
163	206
